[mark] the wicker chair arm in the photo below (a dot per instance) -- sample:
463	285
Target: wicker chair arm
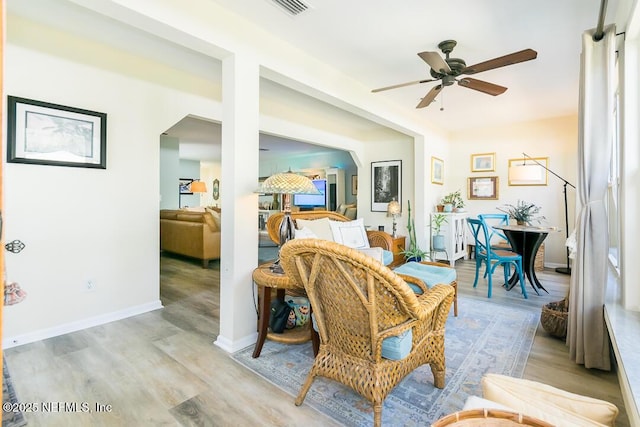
438	299
414	281
380	239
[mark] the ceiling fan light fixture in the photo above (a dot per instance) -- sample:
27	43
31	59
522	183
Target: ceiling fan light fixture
447	69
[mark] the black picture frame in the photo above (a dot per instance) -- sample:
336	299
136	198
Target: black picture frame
386	184
185	186
43	133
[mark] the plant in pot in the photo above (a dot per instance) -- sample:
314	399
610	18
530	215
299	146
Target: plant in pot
413	251
523	212
437	239
453	201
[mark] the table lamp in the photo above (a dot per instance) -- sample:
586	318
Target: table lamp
286	183
394	211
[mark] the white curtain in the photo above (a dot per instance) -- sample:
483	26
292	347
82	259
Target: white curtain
586	331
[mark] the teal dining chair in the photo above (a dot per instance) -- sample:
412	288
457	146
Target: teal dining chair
496	237
492	258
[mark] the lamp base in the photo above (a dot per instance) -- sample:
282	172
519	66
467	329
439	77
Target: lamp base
563	270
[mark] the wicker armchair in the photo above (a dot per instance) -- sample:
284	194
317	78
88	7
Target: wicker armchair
357	303
376	238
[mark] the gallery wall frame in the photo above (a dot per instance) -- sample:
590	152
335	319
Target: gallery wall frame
535	174
483	188
437	171
386	184
43	133
354	185
483	162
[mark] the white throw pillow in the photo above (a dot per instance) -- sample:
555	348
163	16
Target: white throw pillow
375	253
305	233
350	233
319	227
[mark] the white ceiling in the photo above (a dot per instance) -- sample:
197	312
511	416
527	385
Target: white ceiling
377	41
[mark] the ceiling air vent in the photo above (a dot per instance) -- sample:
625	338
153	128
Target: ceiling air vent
292	7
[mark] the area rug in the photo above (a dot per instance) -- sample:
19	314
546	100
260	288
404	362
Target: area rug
10	418
485	337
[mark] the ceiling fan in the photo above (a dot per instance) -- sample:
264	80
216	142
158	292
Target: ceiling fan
447	70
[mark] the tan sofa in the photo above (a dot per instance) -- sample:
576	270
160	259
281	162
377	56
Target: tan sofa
193	234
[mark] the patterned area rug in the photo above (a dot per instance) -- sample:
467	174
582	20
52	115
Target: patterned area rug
9	418
485	337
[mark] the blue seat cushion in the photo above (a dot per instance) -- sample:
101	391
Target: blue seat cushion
387	257
397	347
393	348
429	274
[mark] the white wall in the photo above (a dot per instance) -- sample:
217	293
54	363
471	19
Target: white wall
556	139
86	224
169	172
209	171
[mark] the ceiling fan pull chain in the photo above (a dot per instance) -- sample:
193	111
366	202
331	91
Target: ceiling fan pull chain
442	101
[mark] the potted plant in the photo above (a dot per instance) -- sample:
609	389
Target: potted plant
523	212
453	201
413	251
436	224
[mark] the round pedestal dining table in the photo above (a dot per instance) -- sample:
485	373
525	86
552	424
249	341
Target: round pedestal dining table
525	240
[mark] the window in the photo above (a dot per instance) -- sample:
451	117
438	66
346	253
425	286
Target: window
613	194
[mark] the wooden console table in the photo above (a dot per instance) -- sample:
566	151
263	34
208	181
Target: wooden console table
267	280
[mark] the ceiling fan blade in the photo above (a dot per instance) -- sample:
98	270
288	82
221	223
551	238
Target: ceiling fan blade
435	61
429	97
482	86
402	85
512	58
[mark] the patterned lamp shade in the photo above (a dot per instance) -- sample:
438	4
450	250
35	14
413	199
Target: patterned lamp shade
288	183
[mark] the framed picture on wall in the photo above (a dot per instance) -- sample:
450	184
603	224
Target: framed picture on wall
185	185
483	188
354	185
437	171
386	184
485	162
50	134
216	189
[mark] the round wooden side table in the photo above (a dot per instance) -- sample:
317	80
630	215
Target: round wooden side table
266	280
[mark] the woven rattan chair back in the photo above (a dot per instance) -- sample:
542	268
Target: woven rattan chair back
358	302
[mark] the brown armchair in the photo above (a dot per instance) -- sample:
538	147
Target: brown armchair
358	303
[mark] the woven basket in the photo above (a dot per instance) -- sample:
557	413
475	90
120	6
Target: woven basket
554	318
488	418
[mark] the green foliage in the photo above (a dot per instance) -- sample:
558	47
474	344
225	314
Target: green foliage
523	212
454	198
436	222
413	250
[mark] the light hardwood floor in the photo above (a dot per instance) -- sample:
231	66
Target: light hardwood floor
161	368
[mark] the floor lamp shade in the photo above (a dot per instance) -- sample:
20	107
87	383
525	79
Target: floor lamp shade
198	187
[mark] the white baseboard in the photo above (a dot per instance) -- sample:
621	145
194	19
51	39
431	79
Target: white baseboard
233	346
9	342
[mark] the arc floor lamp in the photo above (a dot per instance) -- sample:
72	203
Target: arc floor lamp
526	172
